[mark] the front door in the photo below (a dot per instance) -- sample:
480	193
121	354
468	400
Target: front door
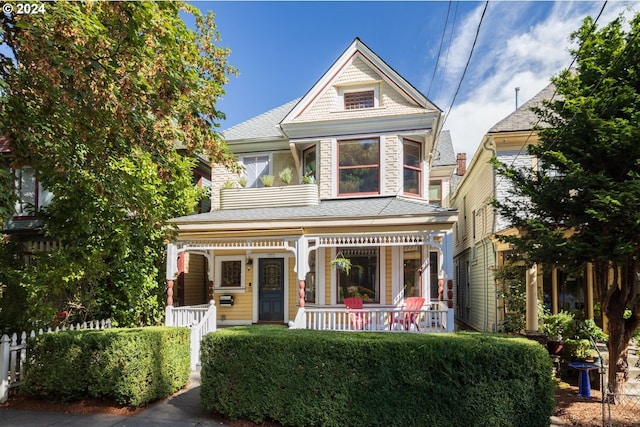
271	290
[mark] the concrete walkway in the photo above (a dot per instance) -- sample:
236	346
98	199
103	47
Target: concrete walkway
180	410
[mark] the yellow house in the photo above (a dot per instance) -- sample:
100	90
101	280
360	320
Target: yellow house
477	251
361	146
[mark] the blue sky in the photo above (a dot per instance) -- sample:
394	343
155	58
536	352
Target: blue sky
282	48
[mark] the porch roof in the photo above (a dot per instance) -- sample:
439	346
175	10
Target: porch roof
397	207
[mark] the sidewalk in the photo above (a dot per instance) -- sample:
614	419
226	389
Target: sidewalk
181	410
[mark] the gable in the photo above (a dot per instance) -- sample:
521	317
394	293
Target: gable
359	69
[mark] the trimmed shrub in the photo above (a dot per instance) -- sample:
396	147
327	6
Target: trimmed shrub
323	378
130	366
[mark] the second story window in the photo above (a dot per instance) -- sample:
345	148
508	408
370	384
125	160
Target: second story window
359	166
412	169
309	165
31	196
255	167
435	192
359	100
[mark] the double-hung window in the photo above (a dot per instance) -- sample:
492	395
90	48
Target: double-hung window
359	166
412	167
435	192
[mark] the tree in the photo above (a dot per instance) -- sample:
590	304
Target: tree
580	203
97	97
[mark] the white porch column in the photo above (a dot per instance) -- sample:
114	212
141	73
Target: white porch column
172	270
532	299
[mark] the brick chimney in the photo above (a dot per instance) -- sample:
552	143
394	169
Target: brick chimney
462	164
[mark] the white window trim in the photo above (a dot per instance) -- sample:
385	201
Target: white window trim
375	87
218	274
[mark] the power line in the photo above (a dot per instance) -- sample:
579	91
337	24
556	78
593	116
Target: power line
466	67
444	30
446	58
555	90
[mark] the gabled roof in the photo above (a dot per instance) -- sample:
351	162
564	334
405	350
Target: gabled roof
358	49
263	126
523	118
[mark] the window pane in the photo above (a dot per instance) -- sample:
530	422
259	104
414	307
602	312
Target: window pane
357	153
435	193
433	277
357	100
412	262
25	188
231	273
362	279
310	280
256	166
411	181
411	154
360	180
309	165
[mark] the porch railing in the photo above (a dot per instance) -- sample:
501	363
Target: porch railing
433	317
201	319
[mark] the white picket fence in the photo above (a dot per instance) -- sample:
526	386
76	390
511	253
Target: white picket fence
201	319
13	353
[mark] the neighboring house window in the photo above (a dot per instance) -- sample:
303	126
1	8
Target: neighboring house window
359	100
411	268
412	167
309	165
435	192
204	205
359	166
230	272
362	279
255	167
31	196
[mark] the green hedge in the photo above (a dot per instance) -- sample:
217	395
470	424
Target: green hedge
322	378
130	366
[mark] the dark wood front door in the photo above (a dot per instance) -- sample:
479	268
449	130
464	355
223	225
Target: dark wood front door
271	290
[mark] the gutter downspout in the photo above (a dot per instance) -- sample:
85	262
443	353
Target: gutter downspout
490	145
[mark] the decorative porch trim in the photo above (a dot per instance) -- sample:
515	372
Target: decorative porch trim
404	239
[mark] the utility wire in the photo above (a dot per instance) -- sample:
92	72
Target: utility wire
446	58
435	68
464	72
555	91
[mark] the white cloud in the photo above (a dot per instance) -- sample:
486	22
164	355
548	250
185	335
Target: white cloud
516	48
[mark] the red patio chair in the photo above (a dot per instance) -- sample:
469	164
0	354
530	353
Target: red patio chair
412	304
356	317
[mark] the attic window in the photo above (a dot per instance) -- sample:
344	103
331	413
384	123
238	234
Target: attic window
359	100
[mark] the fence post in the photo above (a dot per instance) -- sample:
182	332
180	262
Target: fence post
4	365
